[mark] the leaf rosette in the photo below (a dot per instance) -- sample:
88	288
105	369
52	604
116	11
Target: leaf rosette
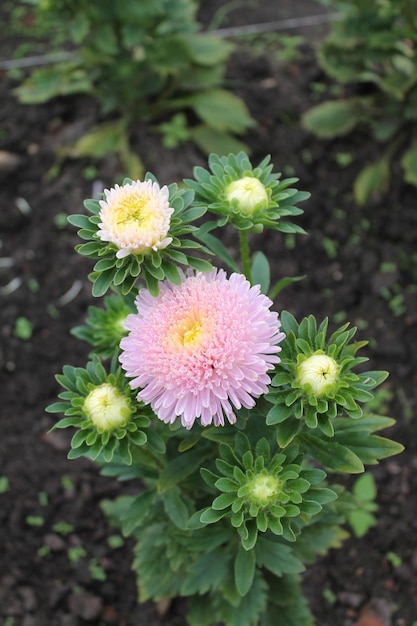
102	408
104	326
314	382
250	197
262	491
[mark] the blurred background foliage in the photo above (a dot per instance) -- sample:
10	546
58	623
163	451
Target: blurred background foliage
372	52
145	61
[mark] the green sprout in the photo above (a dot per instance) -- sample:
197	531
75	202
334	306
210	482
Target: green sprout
23	328
4	484
76	553
364	492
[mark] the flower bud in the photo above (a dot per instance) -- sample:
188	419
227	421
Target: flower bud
107	408
318	374
249	193
263	489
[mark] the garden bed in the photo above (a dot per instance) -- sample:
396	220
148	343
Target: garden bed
58	565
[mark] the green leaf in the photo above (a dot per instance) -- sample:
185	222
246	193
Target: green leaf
244	569
284	282
409	164
367	447
175	508
277	558
287	604
155	442
365	487
181	467
286	431
92	205
61	79
219	249
361	521
101	140
206	573
210	516
139	507
207	49
331	454
279	413
212	141
261	272
201	265
333	118
372	179
102	282
80	221
221	110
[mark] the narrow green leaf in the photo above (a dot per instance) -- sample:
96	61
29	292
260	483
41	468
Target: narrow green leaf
218	248
287	431
175	508
181	467
80	221
200	265
331	454
279	413
284	282
92	205
261	272
102	282
209	516
244	570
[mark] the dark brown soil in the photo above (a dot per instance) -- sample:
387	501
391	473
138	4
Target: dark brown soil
57	566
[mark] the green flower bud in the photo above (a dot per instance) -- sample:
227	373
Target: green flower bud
263	489
107	408
318	374
249	194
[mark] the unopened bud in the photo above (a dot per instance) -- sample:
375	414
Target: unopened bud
318	374
107	407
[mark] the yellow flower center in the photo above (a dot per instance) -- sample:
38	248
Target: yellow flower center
249	193
188	332
133	210
318	373
107	408
191	336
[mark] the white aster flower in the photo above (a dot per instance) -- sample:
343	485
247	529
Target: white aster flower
136	217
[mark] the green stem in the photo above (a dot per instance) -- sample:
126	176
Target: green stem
244	254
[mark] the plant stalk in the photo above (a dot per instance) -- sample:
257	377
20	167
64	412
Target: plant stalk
244	254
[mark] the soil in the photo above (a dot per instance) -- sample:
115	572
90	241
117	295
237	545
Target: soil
58	567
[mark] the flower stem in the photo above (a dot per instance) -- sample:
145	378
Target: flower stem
244	254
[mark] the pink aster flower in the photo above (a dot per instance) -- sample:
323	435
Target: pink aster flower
200	348
136	217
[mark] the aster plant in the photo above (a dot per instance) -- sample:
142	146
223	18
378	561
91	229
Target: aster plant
238	421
